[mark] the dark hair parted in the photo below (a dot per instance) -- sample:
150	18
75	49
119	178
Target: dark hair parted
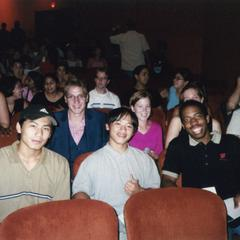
118	113
192	103
139	95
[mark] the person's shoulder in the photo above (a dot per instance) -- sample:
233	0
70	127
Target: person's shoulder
230	139
155	125
58	115
54	158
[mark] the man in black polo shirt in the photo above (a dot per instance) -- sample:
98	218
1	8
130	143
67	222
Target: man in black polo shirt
203	159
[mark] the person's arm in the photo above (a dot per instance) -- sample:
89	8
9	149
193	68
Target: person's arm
168	181
216	126
4	113
80	195
234	98
173	131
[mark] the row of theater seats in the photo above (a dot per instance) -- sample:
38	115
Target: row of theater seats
159	214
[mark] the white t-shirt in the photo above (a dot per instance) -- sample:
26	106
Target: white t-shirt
132	47
106	100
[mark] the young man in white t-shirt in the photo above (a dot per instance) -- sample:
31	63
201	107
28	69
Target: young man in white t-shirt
101	97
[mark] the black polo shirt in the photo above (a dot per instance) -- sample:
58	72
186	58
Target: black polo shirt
215	164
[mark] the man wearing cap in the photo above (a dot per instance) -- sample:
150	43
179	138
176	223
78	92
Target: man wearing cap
30	173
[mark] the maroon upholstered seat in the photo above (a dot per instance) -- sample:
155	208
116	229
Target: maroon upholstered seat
78	161
175	214
62	220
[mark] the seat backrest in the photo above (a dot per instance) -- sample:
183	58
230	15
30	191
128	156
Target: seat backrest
61	220
78	162
175	214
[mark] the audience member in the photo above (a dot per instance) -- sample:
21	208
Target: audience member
192	91
12	90
97	60
18	36
101	97
4	116
29	173
203	159
79	129
62	75
50	97
4	37
141	82
149	134
117	171
133	47
182	77
32	85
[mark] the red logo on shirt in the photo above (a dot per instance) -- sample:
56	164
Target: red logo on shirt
222	156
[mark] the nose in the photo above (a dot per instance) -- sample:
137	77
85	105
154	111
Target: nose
193	121
39	132
123	128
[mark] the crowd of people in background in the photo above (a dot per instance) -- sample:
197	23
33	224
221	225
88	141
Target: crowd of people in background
40	77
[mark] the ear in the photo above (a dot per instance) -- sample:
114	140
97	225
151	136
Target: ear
87	98
65	98
208	118
136	76
18	128
132	108
108	81
107	127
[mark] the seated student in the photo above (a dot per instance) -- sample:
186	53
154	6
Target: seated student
115	172
101	97
29	173
203	159
141	80
149	134
192	91
12	90
51	97
182	77
79	129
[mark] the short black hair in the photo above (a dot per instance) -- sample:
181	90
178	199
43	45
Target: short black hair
192	103
118	113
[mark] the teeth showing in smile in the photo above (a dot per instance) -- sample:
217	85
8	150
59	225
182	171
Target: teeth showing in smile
197	130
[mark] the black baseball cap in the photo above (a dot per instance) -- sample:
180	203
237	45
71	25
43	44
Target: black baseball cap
35	111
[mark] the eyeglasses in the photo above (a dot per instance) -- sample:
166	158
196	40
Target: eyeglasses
74	98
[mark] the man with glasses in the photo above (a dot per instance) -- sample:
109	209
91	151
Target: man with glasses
101	97
79	129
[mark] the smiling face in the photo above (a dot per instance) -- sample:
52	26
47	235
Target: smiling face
195	123
50	85
34	133
76	100
120	132
142	109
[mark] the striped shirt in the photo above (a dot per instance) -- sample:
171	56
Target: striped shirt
47	181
